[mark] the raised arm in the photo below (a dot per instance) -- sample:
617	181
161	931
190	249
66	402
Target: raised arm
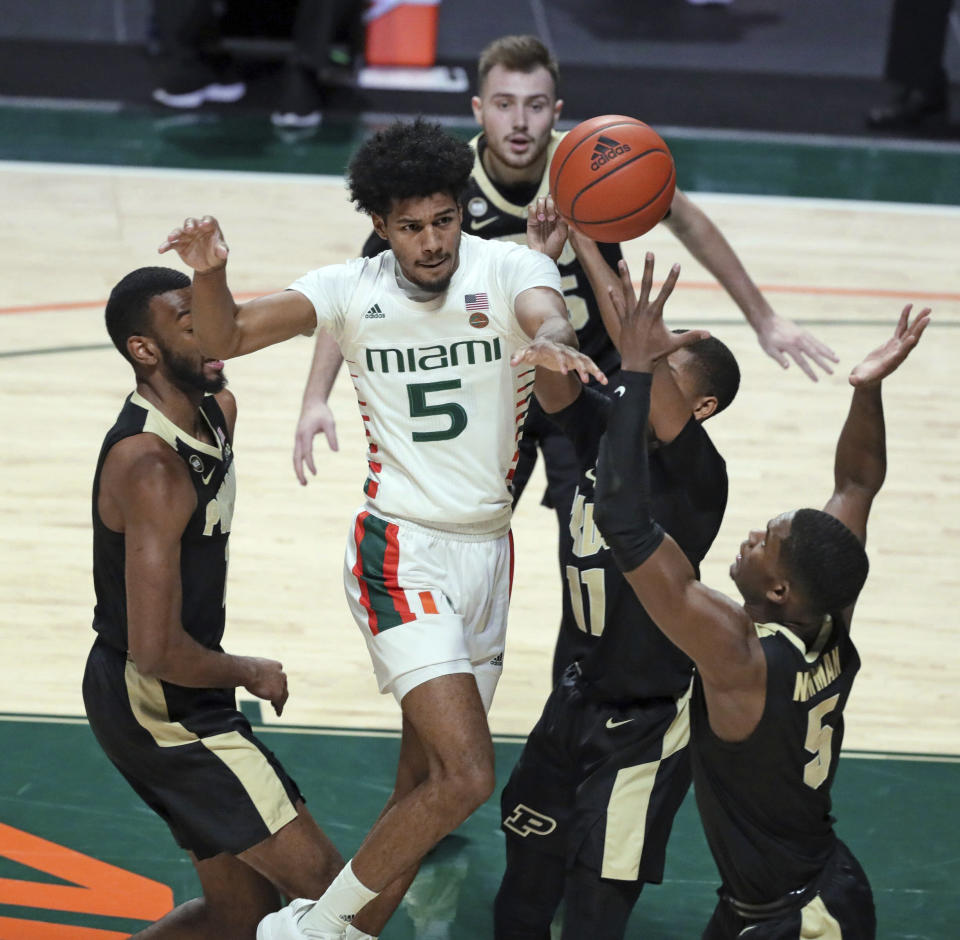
553	348
605	283
710	628
315	414
148	496
225	329
542	314
860	464
778	336
316	417
669	410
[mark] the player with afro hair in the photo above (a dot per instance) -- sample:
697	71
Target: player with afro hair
408	161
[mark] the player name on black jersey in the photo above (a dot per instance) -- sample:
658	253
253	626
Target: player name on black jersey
811	681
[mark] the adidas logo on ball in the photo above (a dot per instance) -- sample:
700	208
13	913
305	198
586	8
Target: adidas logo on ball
605	150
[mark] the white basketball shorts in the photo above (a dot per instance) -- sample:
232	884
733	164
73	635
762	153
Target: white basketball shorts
428	603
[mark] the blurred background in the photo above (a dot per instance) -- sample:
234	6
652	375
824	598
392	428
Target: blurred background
815	67
830	159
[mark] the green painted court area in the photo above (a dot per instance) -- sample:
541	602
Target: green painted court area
898	814
714	163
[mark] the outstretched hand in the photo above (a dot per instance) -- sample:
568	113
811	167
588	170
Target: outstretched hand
547	230
200	244
558	357
877	365
644	337
780	337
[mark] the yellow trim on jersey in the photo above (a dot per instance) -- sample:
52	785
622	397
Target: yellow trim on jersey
490	191
630	799
159	424
810	655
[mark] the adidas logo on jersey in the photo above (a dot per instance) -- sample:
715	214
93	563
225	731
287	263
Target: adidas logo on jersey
606	149
374	313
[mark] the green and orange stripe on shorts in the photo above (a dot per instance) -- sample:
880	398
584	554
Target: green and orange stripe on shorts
378	558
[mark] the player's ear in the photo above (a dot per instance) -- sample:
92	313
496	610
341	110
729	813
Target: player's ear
778	593
477	106
142	350
704	406
557	108
379	225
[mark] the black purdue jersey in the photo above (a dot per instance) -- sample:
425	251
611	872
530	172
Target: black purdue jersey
494	211
490	213
623	656
765	801
203	547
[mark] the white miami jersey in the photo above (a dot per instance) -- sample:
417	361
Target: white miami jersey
441	405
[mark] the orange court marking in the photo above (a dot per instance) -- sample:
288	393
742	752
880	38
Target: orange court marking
693	285
13	929
838	291
97	887
88	305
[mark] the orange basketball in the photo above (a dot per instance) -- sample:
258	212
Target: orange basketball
612	178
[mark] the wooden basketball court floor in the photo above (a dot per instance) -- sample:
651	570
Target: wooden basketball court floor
843	268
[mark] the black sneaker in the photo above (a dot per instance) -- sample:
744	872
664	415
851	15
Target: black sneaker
301	101
910	107
189	86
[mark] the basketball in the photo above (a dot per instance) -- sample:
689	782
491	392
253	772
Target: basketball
612	178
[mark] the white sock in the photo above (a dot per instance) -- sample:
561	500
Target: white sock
340	902
354	934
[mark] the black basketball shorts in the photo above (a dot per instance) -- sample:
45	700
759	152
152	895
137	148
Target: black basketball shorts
189	754
838	904
600	784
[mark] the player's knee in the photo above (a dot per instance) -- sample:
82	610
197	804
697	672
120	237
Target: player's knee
237	916
478	785
467	787
529	893
521	915
310	881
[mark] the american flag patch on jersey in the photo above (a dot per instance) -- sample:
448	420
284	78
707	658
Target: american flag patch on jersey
476	302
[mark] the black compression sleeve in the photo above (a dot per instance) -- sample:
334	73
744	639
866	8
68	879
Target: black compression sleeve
622	492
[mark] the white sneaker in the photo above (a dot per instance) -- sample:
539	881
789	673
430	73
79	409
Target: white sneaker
193	98
226	92
291	119
285	924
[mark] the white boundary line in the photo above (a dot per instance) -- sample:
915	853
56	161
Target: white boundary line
106	169
866	142
498	738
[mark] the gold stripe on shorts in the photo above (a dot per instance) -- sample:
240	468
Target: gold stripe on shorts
245	760
630	800
817	923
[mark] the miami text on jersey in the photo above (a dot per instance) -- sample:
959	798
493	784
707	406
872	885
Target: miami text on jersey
439	356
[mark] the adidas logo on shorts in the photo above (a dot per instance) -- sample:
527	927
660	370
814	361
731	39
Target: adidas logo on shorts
374	313
497	660
605	150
